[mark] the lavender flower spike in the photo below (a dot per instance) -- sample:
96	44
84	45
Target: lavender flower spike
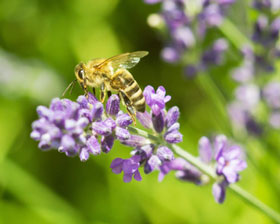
230	162
74	127
65	125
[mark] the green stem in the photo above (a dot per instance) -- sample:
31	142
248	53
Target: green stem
246	196
252	200
237	38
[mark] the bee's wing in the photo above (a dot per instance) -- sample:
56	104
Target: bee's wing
126	60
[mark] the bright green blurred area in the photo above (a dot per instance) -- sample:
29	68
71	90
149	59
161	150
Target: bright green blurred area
41	43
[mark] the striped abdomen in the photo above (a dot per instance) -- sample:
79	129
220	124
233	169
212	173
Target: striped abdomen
135	95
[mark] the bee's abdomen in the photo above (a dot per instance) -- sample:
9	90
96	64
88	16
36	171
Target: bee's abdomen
135	95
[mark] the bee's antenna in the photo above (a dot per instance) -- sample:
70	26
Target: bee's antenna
71	85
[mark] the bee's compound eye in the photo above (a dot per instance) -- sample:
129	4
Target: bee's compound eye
81	73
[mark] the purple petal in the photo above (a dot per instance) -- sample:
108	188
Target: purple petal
161	176
153	163
145	119
136	141
93	145
161	91
122	134
56	105
107	143
205	149
184	37
43	111
82	122
172	116
91	98
123	120
219	192
110	123
44	145
170	54
113	105
127	177
84	154
36	135
219	143
157	107
116	165
137	175
129	166
230	174
274	120
97	111
158	122
178	164
164	169
67	142
145	151
173	137
164	153
85	113
233	152
101	128
191	175
136	159
83	101
148	91
174	127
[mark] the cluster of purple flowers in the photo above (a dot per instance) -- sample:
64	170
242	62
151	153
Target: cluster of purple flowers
212	56
185	28
80	127
227	159
85	127
152	154
249	95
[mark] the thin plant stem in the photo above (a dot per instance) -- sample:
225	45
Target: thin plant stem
209	171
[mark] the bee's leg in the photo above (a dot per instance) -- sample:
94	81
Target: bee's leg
84	87
93	91
109	93
129	106
102	93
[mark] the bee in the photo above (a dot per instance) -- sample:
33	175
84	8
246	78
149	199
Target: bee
112	75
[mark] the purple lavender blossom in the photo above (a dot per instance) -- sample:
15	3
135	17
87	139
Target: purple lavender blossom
211	15
186	29
161	120
274	120
271	94
162	123
219	191
156	100
74	127
128	166
228	160
214	55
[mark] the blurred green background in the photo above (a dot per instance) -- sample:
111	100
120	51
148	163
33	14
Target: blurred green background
41	41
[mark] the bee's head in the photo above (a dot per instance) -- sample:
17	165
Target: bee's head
80	72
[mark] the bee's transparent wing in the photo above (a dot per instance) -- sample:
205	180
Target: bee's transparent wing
126	60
